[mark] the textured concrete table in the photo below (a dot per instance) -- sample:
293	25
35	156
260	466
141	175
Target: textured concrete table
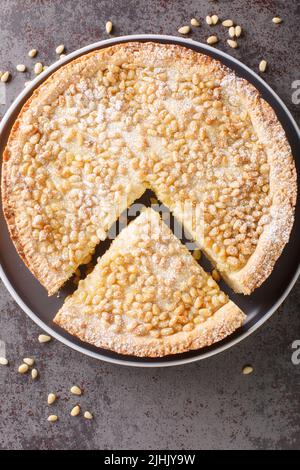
209	404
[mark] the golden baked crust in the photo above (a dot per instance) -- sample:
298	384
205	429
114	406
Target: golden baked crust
112	123
148	297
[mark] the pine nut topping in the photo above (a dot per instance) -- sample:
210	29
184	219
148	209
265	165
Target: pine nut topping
184	30
232	43
44	338
195	22
238	31
262	65
227	23
34	374
52	418
38	68
208	20
214	19
212	40
247	370
51	398
60	49
277	20
109	27
32	53
29	361
23	369
21	68
88	415
76	390
5	77
75	411
3	361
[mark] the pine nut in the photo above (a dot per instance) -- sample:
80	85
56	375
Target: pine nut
38	68
212	40
247	370
262	65
52	418
184	30
3	361
208	20
231	31
44	338
75	411
214	19
34	374
277	20
60	49
232	43
238	31
195	22
109	27
51	398
215	275
29	361
227	23
21	68
75	390
5	77
23	369
88	415
32	53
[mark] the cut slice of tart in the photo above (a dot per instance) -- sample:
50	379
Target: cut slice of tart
147	296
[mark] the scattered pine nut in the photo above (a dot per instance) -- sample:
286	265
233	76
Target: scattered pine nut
215	275
44	338
195	22
60	49
88	415
238	31
214	19
29	361
208	20
76	390
62	56
262	65
227	23
247	370
277	20
232	43
23	369
109	27
231	31
21	68
184	30
52	418
3	361
75	411
5	77
34	374
212	40
38	68
32	53
51	398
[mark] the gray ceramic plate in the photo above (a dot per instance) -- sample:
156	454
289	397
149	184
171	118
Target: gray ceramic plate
33	298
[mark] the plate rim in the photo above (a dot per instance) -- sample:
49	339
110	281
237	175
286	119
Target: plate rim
124	360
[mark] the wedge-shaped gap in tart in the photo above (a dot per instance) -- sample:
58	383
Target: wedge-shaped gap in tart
148	297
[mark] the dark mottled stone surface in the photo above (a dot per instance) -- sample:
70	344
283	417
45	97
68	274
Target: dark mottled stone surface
209	404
